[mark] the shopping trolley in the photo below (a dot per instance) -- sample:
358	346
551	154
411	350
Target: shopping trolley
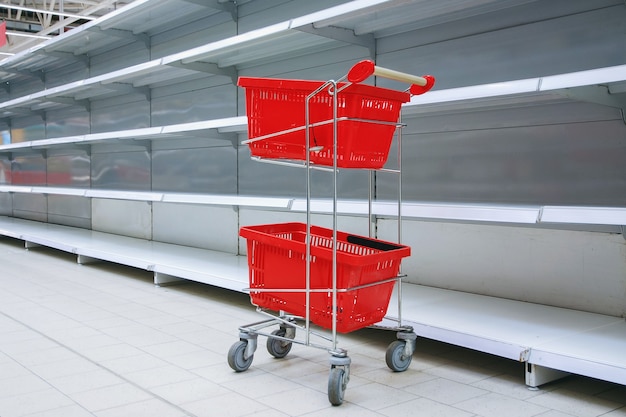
308	280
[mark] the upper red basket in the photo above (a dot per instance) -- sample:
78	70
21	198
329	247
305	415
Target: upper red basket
277	107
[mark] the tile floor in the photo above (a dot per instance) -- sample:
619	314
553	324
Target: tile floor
102	340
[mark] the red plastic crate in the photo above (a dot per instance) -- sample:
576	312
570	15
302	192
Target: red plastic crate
276	105
276	260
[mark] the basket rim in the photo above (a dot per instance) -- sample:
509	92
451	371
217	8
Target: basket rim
261	233
307	86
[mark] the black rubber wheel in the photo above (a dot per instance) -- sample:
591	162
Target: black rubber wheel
236	358
336	385
278	348
396	360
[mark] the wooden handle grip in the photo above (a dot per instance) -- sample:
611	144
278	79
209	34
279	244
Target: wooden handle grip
364	69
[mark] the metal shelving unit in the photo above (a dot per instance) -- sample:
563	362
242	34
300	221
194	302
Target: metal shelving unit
587	343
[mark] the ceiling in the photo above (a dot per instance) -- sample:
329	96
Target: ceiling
29	22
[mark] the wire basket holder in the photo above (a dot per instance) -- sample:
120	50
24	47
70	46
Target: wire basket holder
362	270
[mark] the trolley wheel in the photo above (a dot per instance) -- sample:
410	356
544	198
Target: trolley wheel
278	348
236	356
396	358
336	385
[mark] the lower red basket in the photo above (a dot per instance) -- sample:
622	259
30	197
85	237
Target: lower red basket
276	260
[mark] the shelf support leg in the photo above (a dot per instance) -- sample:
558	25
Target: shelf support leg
162	280
30	245
84	259
538	375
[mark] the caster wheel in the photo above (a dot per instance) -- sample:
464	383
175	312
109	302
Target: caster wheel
396	358
278	348
336	385
236	357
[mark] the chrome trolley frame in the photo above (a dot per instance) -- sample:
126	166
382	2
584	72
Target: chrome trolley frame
300	330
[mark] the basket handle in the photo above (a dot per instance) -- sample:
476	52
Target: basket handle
366	68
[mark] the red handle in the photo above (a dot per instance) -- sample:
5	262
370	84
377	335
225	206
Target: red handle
364	69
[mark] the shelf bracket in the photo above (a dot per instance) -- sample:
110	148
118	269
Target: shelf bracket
70	102
17	112
598	94
128	89
229	6
537	375
38	74
65	56
208	68
343	35
116	33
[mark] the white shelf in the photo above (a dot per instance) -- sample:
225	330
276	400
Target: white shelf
223	125
559	87
282	40
584	215
568	340
429	211
482	213
207	199
206	266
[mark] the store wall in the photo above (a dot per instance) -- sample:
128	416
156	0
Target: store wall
533	152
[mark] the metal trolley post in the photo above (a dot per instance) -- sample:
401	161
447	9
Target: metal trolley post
320	260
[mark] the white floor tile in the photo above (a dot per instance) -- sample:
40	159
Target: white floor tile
110	397
33	402
148	408
496	405
423	407
445	391
574	403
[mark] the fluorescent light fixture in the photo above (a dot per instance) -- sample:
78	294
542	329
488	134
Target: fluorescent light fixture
584	215
44	11
27	35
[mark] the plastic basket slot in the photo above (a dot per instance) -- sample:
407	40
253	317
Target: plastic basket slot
372	243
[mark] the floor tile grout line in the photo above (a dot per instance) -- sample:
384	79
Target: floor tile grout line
152	394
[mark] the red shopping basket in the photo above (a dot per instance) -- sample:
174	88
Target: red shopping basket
276	260
277	105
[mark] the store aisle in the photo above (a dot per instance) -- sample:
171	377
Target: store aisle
102	340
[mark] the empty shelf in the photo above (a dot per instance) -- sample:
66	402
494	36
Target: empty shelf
210	267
